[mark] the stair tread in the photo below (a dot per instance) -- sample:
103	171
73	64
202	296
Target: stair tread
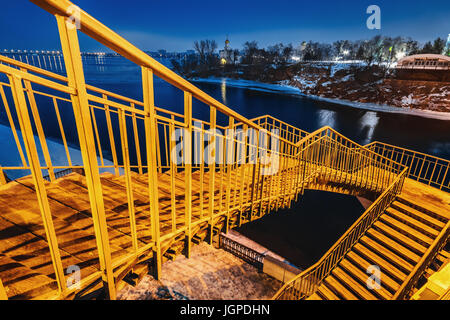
384	264
391	256
401	237
394	245
437	223
425	228
361	290
327	293
335	285
314	296
429	207
404	227
386	281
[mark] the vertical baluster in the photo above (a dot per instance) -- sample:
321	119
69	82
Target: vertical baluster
12	126
243	170
136	141
173	172
111	137
201	149
38	180
3	295
229	161
61	129
39	128
128	182
212	170
188	168
158	147
150	141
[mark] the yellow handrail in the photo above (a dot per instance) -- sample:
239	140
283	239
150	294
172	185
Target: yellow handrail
366	219
424	168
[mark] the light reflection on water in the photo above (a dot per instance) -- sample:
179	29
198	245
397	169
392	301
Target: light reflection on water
369	123
327	118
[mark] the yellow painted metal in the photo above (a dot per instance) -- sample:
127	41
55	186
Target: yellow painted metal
61	129
111	137
38	180
12	126
212	170
128	183
3	180
3	295
187	140
39	128
229	161
80	103
150	138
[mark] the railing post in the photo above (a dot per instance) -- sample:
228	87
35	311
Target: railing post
80	103
38	180
3	295
39	128
212	171
3	179
229	159
150	139
128	181
188	168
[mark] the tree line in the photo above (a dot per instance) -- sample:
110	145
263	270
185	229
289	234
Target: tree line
377	50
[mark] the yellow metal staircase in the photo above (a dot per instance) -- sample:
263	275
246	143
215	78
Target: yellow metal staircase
171	180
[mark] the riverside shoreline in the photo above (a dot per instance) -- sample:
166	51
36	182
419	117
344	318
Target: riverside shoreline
284	88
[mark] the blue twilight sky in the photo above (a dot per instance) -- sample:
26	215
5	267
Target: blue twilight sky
175	25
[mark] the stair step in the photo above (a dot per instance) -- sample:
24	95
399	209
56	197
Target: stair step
363	264
413	233
394	246
400	237
315	296
376	259
333	284
416	224
387	254
420	215
441	258
361	290
327	293
423	208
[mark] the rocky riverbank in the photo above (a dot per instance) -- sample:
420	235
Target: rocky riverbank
370	85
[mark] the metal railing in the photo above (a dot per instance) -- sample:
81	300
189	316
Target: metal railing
409	283
247	254
307	283
424	168
244	168
128	136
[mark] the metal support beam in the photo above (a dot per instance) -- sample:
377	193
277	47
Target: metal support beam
3	295
75	76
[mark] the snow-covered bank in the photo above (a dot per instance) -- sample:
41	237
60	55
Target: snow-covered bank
10	155
249	84
284	88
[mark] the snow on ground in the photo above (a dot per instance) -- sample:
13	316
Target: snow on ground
284	87
9	156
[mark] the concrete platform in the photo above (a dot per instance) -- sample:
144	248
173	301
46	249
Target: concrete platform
210	274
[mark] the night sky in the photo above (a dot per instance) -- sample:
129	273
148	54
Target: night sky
174	25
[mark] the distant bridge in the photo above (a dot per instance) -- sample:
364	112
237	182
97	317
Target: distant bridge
103	224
